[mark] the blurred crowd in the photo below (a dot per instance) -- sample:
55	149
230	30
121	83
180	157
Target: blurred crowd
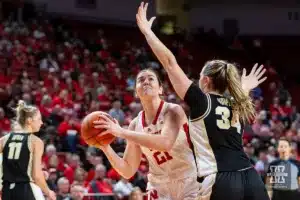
68	75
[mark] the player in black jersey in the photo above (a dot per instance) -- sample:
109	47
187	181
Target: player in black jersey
22	154
224	170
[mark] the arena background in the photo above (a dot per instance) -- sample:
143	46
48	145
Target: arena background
72	57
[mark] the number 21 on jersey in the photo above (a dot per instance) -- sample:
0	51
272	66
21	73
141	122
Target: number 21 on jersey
161	157
225	123
14	150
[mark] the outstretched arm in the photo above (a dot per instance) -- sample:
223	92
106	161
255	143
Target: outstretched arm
174	120
179	80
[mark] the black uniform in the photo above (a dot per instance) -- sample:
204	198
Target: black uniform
223	167
284	175
17	168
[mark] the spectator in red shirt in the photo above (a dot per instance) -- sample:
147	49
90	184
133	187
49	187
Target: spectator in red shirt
69	130
63	99
274	107
46	106
286	110
79	177
57	163
100	184
118	80
104	99
70	170
104	53
113	175
50	151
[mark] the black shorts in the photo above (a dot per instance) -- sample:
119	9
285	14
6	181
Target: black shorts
239	185
286	195
24	191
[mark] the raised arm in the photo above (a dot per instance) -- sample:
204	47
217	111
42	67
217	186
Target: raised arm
179	80
128	165
174	120
254	79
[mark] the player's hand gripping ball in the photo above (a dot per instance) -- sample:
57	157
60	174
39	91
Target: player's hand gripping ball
92	136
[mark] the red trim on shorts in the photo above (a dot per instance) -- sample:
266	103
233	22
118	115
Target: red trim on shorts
156	116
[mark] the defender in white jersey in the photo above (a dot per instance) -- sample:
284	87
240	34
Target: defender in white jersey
161	133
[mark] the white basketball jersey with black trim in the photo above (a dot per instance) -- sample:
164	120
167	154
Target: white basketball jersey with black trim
176	164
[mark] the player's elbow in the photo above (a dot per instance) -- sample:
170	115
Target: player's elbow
128	174
126	171
37	175
171	63
36	179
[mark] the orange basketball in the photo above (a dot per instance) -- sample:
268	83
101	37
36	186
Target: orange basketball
91	135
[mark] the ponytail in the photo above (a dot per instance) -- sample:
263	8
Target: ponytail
225	76
23	112
242	103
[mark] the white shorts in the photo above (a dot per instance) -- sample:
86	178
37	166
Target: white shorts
183	189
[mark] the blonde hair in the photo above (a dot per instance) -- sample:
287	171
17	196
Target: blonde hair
242	103
23	112
225	76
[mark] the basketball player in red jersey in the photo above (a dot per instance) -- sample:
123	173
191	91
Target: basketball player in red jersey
160	132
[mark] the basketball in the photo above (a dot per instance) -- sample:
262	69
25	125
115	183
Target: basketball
91	135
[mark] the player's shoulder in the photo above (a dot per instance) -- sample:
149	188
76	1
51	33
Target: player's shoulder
173	108
5	137
3	140
37	141
295	162
194	88
133	123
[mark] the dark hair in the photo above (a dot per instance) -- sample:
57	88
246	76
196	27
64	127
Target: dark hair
153	71
224	75
284	139
23	112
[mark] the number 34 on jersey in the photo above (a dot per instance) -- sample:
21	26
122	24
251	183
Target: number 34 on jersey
225	123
